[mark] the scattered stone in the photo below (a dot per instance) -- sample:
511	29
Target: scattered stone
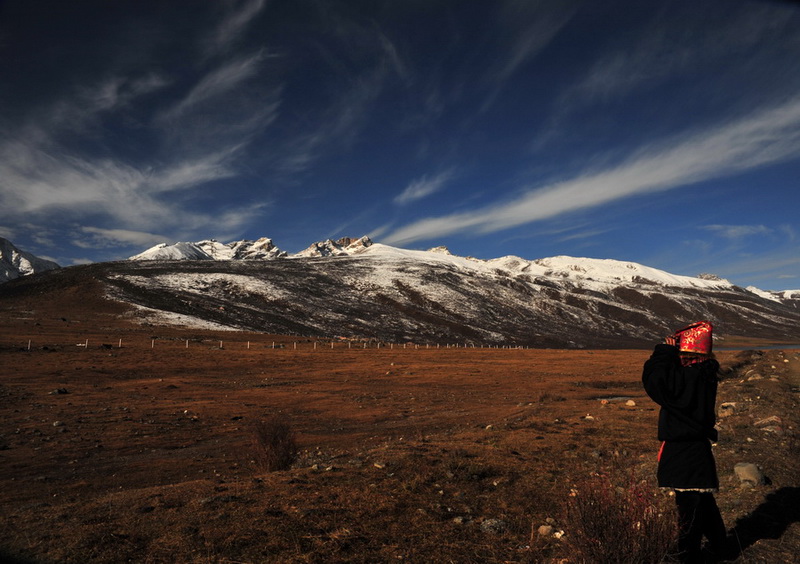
380	465
630	403
727	409
495	526
755	377
749	474
768	421
59	391
460	520
58	423
489	427
545	530
588	417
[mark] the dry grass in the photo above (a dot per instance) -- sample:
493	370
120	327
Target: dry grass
275	445
618	524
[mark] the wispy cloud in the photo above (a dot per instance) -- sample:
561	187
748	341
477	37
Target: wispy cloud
217	82
530	27
738	231
98	238
423	187
768	136
232	26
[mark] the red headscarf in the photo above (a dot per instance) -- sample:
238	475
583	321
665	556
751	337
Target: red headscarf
695	338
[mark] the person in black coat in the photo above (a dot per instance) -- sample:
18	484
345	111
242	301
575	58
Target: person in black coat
681	377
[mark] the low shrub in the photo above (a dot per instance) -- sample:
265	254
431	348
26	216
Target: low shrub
275	445
608	524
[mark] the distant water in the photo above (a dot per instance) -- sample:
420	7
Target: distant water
759	348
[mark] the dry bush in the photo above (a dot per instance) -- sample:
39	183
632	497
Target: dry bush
630	524
275	445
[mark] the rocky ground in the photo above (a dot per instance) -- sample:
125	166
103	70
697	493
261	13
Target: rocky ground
128	443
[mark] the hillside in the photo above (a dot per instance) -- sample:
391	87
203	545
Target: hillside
15	263
377	292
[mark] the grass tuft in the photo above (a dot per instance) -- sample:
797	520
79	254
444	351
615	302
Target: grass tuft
275	445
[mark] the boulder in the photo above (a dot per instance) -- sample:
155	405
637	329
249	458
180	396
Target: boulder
749	474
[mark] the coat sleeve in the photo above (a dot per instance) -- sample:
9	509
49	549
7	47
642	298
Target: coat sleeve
662	375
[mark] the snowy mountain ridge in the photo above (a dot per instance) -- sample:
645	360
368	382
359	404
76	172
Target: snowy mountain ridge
211	249
586	272
15	263
357	289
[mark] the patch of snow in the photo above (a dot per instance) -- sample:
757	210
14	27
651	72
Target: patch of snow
15	263
160	317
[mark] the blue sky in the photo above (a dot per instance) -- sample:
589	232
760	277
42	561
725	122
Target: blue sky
661	132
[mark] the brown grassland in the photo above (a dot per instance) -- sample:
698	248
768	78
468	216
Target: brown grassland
146	452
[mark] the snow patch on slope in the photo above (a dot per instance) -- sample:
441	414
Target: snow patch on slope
15	263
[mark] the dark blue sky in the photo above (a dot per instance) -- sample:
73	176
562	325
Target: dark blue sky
660	132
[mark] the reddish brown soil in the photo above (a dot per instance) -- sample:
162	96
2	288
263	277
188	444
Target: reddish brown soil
149	456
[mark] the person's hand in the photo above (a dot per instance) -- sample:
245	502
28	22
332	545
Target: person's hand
670	341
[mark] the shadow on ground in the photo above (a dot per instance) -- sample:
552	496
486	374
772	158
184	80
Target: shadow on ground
770	519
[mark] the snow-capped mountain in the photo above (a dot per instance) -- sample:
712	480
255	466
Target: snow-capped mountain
15	263
358	289
330	248
261	249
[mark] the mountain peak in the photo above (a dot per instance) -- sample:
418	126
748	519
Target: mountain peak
15	263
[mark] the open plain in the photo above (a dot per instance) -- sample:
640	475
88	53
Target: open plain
128	442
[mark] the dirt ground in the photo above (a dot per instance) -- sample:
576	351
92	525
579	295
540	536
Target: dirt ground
129	443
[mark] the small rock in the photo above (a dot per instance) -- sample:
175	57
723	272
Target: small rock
545	530
749	474
774	429
630	403
489	427
496	526
768	421
58	423
727	409
59	391
379	465
588	417
603	402
755	377
460	520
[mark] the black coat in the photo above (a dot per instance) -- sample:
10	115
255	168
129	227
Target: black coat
687	396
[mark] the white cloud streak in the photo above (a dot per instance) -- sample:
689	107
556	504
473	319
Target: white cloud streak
234	24
423	187
221	80
738	231
765	137
40	177
98	238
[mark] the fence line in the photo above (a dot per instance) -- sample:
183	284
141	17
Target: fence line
313	345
